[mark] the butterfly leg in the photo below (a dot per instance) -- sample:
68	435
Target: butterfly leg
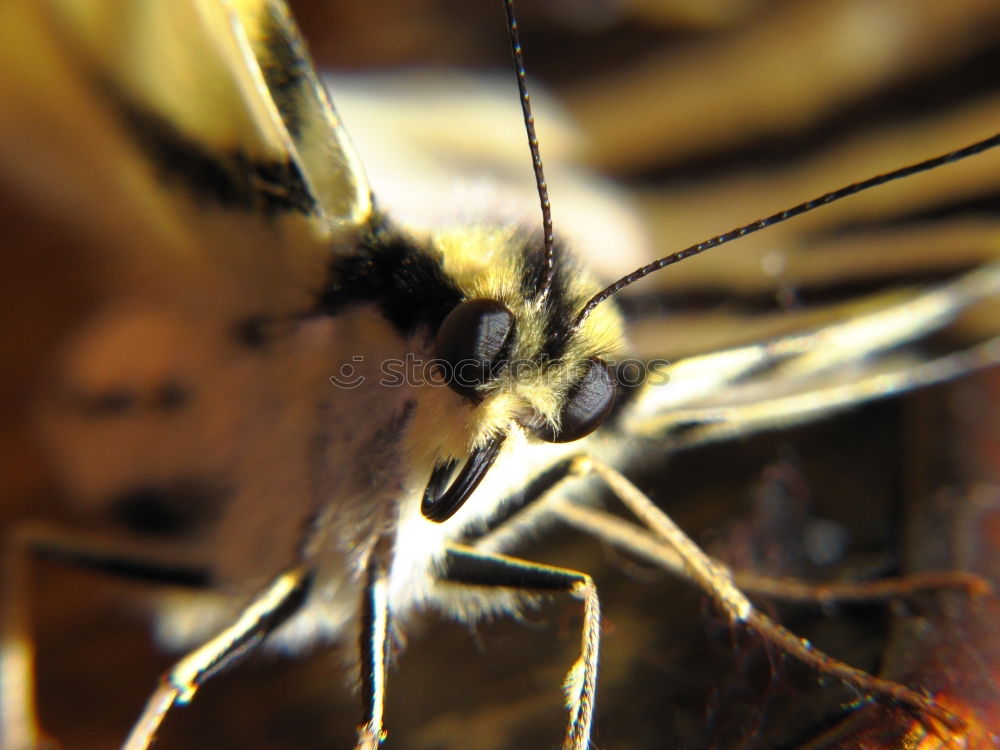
640	542
717	581
30	540
470	567
540	504
270	608
375	629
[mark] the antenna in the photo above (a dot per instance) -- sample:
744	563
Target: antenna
756	226
536	154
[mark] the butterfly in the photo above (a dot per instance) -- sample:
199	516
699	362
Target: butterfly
149	434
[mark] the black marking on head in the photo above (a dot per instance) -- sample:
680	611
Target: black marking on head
406	281
559	310
230	178
532	269
176	509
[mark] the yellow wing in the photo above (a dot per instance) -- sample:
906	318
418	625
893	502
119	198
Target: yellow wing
173	176
199	127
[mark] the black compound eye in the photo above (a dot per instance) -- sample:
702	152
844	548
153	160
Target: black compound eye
473	344
587	405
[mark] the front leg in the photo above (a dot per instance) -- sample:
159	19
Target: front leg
269	609
668	546
374	644
717	581
471	567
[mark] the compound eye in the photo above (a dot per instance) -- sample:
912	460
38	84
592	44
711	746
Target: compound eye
587	405
473	344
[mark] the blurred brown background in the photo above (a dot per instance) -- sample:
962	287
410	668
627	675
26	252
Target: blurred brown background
712	113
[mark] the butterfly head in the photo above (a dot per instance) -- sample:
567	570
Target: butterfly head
509	350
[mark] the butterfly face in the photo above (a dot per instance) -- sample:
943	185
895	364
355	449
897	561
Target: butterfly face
249	355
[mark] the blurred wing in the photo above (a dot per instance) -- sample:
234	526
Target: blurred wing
181	123
174	184
805	375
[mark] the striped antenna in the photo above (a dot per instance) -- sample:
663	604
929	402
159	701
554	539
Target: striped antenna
756	226
536	155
